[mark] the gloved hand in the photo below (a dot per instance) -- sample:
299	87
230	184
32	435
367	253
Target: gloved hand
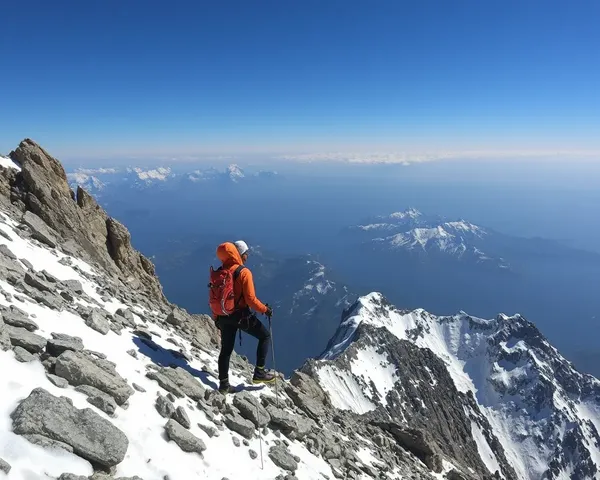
269	312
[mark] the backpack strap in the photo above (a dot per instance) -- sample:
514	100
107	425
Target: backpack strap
236	274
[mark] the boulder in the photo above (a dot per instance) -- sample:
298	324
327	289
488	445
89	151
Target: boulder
164	407
283	459
81	369
238	424
4	466
39	230
178	381
96	320
251	409
91	436
98	398
23	355
183	438
176	317
37	282
74	286
5	343
181	417
20	321
45	442
60	343
19	337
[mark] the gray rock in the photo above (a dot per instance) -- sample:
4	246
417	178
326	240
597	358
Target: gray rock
238	424
39	230
126	317
49	277
282	420
312	407
38	283
92	437
253	454
57	381
80	369
236	441
20	321
97	321
283	459
251	409
176	317
60	343
19	337
72	476
183	438
45	442
98	398
27	263
210	431
74	286
164	407
133	353
4	466
138	387
181	417
178	382
7	252
5	343
23	355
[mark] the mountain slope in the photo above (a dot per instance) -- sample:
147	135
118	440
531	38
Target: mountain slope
530	407
101	378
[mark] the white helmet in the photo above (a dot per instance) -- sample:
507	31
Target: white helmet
242	247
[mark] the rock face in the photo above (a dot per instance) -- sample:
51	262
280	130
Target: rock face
20	337
55	215
186	441
81	369
90	436
178	381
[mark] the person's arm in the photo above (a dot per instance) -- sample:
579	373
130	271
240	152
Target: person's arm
249	293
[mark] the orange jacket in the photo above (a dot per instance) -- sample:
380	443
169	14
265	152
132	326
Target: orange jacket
228	254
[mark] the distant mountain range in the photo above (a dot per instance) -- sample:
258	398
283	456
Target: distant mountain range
96	181
428	239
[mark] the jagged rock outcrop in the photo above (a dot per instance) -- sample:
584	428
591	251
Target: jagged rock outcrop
56	215
86	432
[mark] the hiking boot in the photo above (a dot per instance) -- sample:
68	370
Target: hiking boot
225	388
262	376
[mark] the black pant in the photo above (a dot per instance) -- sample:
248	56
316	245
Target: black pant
249	323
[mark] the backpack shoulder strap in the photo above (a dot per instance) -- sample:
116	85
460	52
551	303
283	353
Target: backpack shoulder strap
237	272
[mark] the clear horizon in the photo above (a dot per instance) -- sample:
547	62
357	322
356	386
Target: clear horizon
407	81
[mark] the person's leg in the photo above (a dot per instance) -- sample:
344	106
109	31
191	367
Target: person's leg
260	332
228	332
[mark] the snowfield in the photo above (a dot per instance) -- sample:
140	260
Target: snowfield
149	455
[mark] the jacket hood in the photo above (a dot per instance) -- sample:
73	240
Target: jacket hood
229	255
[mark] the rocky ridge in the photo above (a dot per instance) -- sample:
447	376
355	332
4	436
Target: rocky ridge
114	382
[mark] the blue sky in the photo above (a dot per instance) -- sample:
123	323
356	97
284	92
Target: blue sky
116	78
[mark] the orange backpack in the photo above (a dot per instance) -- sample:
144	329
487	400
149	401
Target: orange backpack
220	294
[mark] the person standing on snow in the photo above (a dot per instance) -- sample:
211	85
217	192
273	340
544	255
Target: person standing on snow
233	257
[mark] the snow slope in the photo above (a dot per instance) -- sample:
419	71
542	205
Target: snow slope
149	455
544	413
8	163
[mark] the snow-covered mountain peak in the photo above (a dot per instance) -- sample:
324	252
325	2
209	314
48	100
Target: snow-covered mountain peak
411	213
539	408
155	174
235	173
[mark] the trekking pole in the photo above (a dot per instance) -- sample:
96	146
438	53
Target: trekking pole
274	366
